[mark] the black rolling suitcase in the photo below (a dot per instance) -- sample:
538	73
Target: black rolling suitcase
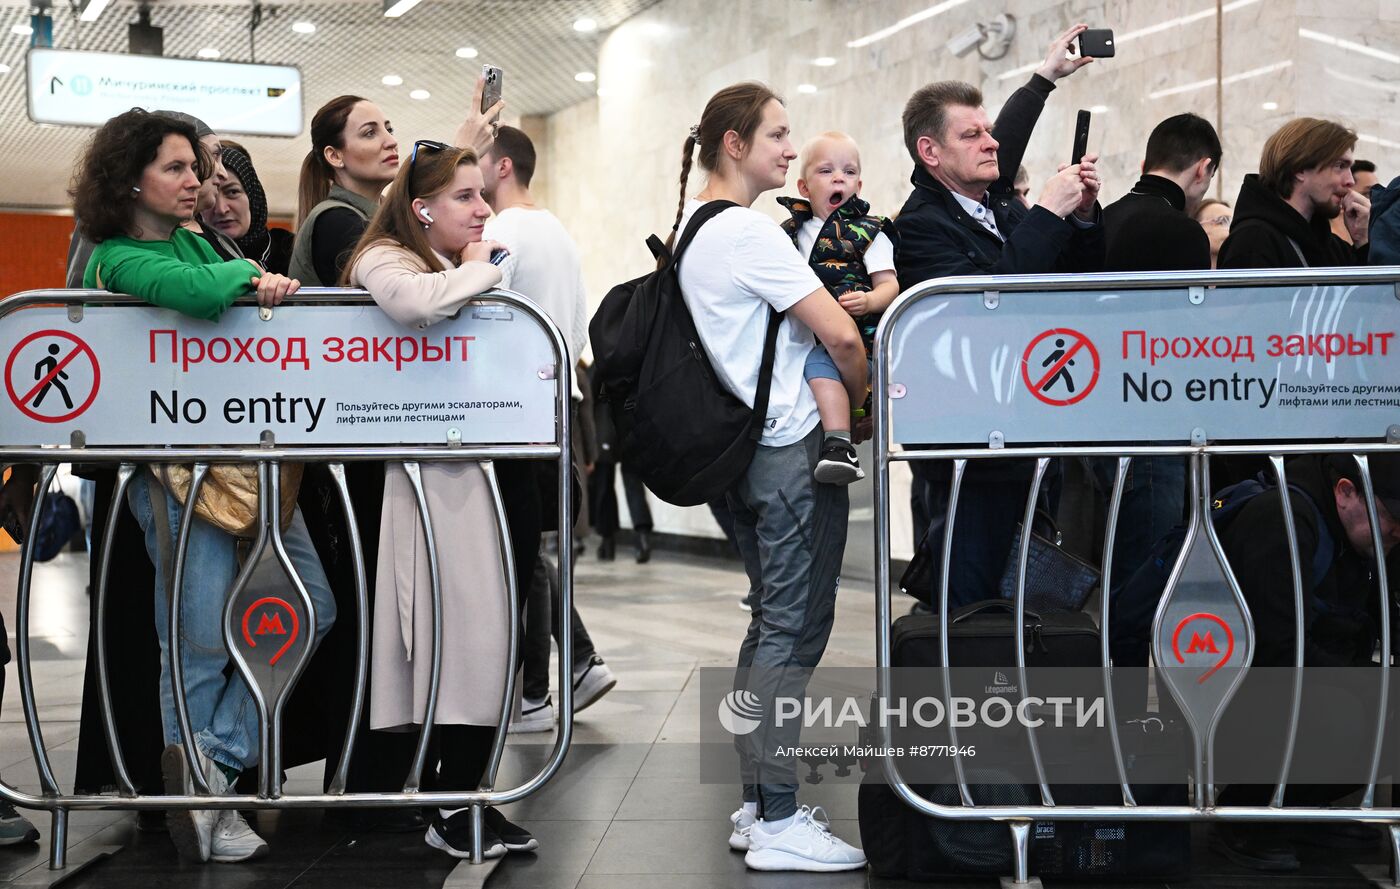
904	844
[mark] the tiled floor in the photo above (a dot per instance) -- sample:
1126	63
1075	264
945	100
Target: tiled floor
626	812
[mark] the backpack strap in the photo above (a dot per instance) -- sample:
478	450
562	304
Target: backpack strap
707	211
765	375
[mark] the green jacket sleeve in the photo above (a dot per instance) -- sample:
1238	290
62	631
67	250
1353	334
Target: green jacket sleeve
201	291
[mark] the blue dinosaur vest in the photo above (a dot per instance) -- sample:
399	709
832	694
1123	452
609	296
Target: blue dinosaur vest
838	256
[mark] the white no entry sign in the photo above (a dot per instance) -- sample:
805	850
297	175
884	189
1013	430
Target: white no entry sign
137	375
1238	361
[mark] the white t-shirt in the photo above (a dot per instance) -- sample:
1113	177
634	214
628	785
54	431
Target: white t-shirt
741	263
544	265
879	256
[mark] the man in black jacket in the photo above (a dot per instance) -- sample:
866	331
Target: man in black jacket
1153	227
1343	631
1342	618
1284	212
964	218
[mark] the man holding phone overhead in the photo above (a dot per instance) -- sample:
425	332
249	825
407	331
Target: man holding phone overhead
964	218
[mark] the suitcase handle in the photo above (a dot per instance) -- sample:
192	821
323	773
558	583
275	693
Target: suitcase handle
987	605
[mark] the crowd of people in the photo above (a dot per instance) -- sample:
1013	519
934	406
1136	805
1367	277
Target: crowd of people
170	212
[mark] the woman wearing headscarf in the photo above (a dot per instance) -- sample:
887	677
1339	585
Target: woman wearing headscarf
240	213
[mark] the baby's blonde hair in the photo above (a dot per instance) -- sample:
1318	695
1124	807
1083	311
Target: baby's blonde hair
815	142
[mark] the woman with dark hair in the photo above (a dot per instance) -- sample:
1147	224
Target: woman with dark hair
422	259
240	212
135	188
739	269
353	156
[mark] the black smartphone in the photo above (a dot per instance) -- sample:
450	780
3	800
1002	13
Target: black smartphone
1096	43
1081	137
499	255
492	93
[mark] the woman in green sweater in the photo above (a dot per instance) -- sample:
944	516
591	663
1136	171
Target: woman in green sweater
136	214
134	189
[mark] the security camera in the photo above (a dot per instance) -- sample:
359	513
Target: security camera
965	42
991	39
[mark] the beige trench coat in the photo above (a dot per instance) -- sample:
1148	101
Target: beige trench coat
475	628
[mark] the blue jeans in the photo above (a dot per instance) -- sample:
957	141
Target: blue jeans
222	713
791	533
1154	502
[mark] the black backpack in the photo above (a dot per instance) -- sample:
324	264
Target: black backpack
678	428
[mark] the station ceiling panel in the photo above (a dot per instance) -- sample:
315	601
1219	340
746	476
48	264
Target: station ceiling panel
352	49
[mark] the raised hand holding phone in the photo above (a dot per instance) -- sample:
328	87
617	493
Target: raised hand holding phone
1057	62
478	130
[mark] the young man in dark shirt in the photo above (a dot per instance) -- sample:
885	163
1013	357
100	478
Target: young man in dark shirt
1152	228
1284	212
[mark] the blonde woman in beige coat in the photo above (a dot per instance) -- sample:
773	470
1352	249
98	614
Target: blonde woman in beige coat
422	258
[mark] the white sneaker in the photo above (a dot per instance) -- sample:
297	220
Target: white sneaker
535	716
807	845
190	830
743	825
592	682
233	840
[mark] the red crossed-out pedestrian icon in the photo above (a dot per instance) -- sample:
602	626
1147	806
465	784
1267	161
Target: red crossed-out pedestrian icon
1060	367
52	376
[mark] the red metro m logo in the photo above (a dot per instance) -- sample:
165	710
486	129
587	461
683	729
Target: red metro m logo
1203	642
270	610
1197	644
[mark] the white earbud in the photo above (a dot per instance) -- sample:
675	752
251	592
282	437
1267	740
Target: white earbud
427	217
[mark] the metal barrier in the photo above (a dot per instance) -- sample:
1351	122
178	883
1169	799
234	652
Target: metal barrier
529	361
948	369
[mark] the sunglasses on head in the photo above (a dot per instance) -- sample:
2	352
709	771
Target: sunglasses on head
424	143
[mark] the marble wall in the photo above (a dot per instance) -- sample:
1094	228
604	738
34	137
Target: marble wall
610	165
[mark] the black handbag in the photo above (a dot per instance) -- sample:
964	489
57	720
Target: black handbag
1056	580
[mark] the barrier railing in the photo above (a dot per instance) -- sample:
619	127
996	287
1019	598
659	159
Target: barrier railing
492	384
969	370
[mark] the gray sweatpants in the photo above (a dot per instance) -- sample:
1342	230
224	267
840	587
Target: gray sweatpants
791	533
